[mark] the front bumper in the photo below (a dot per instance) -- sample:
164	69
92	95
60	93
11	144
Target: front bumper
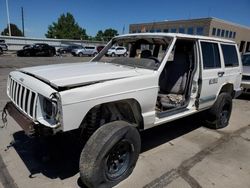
25	123
30	127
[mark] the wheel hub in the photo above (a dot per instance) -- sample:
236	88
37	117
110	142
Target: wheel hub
118	160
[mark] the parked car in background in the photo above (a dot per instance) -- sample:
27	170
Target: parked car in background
117	51
27	46
99	48
3	46
85	51
245	84
39	49
68	49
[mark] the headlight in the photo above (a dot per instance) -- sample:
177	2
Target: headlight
50	108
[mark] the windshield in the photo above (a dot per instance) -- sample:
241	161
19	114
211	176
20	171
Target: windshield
136	51
246	60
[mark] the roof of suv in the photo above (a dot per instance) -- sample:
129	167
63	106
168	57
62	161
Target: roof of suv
178	35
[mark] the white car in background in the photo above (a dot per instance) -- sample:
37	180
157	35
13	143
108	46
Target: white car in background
245	84
85	51
117	51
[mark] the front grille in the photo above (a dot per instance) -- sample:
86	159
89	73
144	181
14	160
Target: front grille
23	98
244	77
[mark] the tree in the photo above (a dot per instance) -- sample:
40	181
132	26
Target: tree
66	28
15	31
109	34
106	35
99	36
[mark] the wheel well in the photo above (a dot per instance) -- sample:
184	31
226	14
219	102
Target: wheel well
228	88
127	110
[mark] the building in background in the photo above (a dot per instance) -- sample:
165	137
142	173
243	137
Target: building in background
212	27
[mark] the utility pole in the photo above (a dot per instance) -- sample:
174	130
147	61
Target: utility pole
22	22
8	17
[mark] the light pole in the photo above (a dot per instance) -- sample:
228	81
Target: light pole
8	16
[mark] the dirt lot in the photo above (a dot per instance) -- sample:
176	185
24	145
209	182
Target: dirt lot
179	154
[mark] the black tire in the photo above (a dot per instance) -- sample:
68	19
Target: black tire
94	54
101	162
125	54
218	116
1	51
80	54
113	55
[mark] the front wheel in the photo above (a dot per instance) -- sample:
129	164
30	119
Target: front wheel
218	116
110	154
80	54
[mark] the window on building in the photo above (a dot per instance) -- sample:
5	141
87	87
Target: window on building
210	55
234	35
165	30
227	32
200	31
173	30
139	31
158	30
152	31
222	33
134	31
230	34
218	32
230	55
214	32
181	30
190	30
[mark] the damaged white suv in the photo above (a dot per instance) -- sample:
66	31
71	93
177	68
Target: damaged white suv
164	77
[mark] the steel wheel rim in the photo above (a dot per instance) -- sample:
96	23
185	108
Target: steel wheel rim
118	160
224	115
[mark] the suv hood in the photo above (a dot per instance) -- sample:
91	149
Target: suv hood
74	74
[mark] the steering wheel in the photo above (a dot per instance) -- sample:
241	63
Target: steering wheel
157	62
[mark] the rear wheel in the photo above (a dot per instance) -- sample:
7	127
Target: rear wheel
95	54
113	55
1	51
110	154
218	116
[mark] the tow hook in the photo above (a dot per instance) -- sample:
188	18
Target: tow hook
4	117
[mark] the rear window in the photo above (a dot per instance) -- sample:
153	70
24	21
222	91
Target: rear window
210	55
230	55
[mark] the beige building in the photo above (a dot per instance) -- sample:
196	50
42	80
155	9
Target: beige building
204	26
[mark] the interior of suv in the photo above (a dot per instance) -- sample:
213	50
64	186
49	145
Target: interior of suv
175	78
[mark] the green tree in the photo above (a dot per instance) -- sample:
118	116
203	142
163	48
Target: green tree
15	31
106	35
99	36
66	28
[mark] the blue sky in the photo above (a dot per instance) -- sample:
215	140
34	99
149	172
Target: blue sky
101	14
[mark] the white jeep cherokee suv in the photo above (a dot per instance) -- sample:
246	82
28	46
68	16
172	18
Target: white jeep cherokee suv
164	78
